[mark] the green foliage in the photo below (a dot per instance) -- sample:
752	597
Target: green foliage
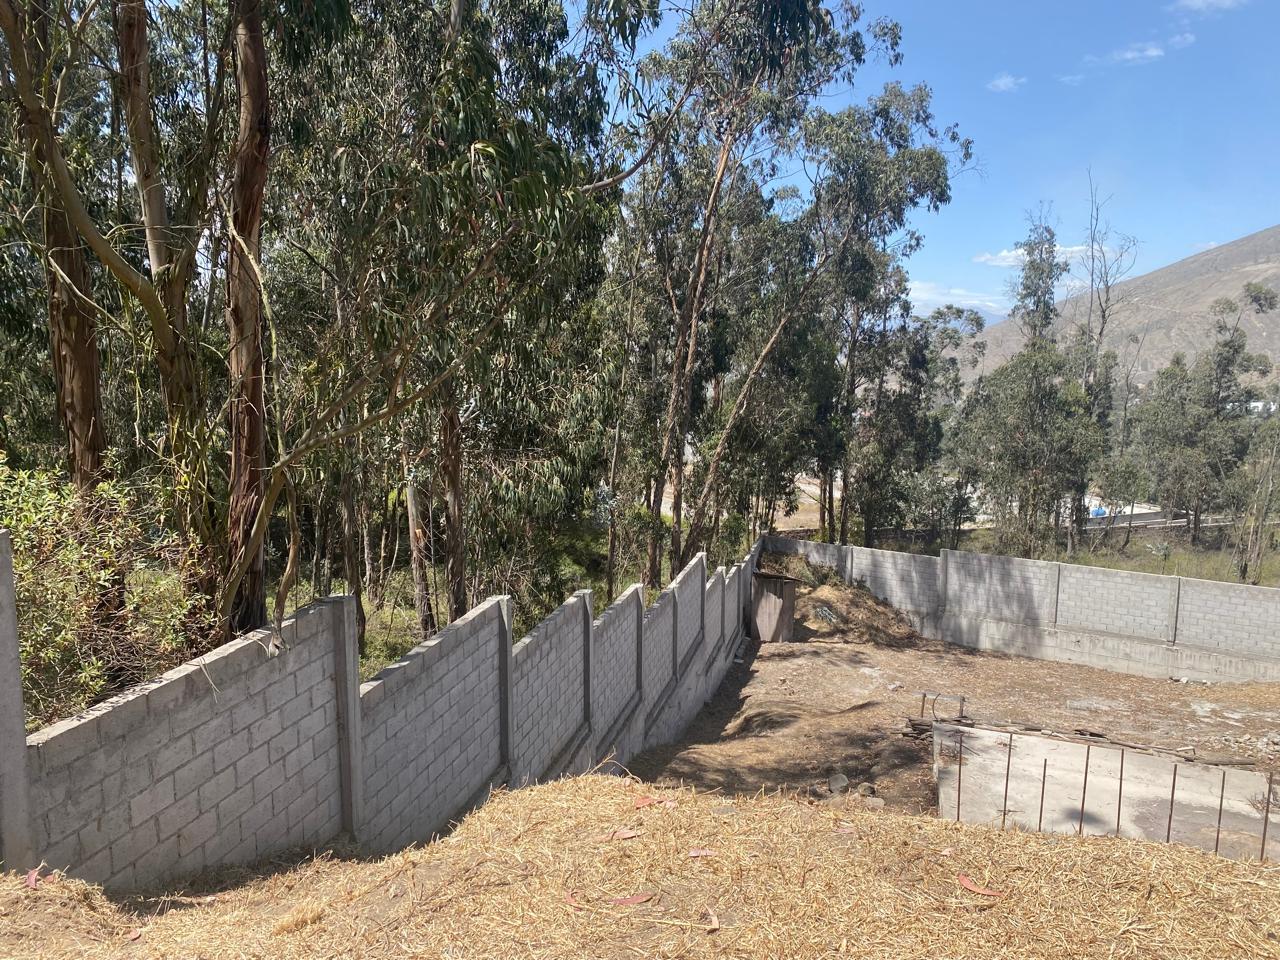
103	600
1028	435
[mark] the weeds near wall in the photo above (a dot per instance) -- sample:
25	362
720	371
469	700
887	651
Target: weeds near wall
105	594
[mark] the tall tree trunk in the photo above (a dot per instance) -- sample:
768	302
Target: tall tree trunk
418	559
844	501
73	347
825	534
247	404
611	561
320	553
73	340
677	504
654	565
831	505
454	531
170	273
351	558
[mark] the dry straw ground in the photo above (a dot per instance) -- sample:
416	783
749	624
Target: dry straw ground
607	867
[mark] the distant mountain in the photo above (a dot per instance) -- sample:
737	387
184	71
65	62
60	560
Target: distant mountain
1166	311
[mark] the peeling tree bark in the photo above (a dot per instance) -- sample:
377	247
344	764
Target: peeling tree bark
418	558
455	536
247	405
73	337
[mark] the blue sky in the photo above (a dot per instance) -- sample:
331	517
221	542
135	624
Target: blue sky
1175	106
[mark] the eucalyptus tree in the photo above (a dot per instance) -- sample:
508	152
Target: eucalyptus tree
872	166
898	434
1193	424
1027	433
746	74
455	238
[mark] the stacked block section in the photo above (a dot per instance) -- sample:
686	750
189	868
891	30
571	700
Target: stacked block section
223	760
432	731
264	746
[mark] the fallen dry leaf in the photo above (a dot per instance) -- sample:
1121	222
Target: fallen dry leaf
647	801
134	934
572	900
702	853
713	922
974	888
622	833
33	878
634	899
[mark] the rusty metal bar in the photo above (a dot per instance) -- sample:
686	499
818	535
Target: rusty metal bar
1168	832
1222	796
1008	763
1084	789
1266	818
1120	794
1044	776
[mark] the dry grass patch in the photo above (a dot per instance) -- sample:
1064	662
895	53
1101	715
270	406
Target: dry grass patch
607	867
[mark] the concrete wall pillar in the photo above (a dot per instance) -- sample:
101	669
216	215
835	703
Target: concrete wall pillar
1057	590
639	616
346	677
16	848
588	619
506	710
1175	598
943	564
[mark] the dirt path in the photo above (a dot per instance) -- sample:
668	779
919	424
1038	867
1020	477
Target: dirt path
835	700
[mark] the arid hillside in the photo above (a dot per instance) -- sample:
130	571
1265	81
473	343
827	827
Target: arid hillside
1166	311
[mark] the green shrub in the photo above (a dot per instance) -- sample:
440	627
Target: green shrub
106	596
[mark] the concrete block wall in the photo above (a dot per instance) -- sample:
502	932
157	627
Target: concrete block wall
223	760
261	746
689	589
713	619
657	644
617	674
1116	601
907	581
433	729
549	694
1135	623
1001	588
1230	617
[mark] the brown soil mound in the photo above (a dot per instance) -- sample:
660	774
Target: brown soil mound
606	867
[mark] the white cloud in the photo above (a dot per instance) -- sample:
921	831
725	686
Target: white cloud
1072	79
1208	6
1005	258
1208	245
926	296
1014	257
1135	54
1005	82
1181	40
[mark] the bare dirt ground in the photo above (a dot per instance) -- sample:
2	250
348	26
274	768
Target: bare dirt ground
834	701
